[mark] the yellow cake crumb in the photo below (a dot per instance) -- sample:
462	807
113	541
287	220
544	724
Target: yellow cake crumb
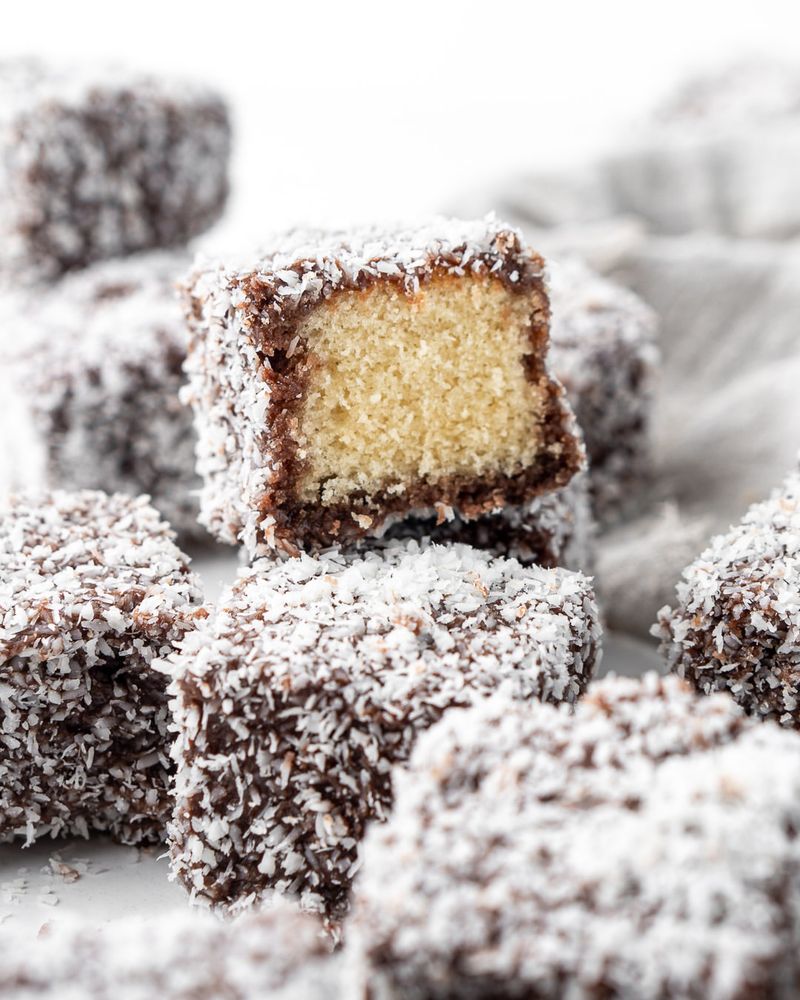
421	388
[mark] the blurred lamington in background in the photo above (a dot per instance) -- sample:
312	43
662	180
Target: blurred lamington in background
96	165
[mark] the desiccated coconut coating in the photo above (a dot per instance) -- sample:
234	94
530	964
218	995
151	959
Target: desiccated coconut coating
644	847
736	624
603	349
342	379
102	163
94	369
92	590
555	529
315	676
277	954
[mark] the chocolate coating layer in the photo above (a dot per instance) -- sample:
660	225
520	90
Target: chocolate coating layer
555	529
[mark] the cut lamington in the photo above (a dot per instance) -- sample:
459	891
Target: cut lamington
315	675
92	591
341	379
91	371
99	163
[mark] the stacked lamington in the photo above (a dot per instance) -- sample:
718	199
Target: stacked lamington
93	166
347	388
316	675
366	402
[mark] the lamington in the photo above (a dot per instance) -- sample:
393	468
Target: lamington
316	674
92	371
101	163
736	623
604	351
92	591
632	848
340	380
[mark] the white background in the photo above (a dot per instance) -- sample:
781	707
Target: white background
359	111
